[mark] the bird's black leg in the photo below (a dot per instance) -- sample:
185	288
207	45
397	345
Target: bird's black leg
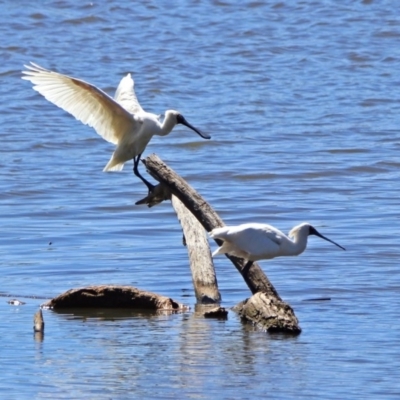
136	172
247	266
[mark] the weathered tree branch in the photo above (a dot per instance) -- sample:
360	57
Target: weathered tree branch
156	196
205	214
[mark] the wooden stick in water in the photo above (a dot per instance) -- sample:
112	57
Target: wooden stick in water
38	321
201	263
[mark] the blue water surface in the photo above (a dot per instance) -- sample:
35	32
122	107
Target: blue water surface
302	102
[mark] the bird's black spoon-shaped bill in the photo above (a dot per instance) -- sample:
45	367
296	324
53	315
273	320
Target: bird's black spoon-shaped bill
182	120
313	231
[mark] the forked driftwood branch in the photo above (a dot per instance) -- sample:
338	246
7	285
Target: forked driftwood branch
265	308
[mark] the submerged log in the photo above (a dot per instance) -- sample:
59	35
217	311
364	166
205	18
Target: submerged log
268	313
217	312
113	296
284	319
201	263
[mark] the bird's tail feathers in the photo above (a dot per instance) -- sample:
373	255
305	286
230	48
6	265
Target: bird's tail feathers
229	248
113	165
223	249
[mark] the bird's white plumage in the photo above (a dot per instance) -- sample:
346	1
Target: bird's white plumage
249	240
125	95
85	102
256	241
121	121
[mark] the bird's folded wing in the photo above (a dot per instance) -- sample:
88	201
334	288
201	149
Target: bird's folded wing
84	101
126	97
255	239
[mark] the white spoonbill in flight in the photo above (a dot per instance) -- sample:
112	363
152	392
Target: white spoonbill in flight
255	242
121	120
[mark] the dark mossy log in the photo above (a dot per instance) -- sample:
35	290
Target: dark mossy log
257	281
113	296
201	263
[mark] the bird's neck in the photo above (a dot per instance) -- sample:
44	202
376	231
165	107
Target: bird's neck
167	126
298	245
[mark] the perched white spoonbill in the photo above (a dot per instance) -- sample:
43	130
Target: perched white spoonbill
121	120
255	242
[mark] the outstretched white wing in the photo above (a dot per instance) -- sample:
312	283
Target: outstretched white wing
125	95
84	101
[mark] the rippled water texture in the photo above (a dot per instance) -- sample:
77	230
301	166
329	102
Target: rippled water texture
302	102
